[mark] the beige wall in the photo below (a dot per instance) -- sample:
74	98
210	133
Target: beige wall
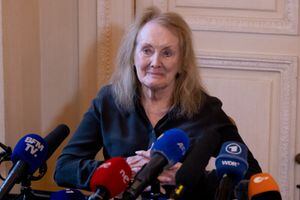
2	127
43	54
51	53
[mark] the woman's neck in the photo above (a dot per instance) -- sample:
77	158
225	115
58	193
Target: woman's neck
157	97
156	103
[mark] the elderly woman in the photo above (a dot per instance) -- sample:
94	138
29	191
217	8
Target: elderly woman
155	87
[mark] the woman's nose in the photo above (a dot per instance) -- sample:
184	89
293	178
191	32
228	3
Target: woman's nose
156	60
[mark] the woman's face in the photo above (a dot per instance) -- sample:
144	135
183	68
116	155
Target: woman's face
156	57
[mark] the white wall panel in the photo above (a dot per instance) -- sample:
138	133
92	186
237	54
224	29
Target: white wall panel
259	92
113	18
263	5
271	16
247	100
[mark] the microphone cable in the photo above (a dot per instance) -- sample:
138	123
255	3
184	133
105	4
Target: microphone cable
5	155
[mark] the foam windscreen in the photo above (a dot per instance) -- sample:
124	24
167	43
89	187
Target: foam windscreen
172	144
32	149
113	175
263	186
232	160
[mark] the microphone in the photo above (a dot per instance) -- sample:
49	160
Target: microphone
165	152
231	166
55	138
192	170
262	186
241	190
67	194
110	179
30	153
5	155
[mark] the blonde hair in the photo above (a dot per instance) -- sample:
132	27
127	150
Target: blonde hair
188	90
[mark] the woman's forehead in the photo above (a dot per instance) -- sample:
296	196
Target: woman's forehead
153	33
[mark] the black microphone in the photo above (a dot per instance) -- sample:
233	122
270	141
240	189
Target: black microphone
241	190
5	155
231	166
166	151
30	153
55	138
192	171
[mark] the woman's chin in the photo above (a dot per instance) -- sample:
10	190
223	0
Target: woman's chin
155	86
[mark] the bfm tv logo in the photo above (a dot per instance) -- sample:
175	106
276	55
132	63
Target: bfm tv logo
33	146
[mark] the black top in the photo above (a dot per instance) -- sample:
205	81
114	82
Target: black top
121	133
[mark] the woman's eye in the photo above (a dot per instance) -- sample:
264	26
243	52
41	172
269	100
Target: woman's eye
167	53
147	51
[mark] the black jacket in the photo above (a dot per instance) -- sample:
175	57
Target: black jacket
121	133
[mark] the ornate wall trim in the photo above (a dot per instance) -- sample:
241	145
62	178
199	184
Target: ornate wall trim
104	41
286	23
286	66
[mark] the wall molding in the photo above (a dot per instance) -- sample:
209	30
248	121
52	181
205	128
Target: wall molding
113	19
287	23
104	41
286	66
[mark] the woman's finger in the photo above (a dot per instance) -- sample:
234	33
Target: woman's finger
145	154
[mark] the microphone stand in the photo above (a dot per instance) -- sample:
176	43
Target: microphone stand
26	191
225	189
28	194
155	190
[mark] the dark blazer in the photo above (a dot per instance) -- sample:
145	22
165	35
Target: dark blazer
121	133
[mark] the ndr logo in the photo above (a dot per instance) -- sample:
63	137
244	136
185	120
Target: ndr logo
230	163
233	148
33	145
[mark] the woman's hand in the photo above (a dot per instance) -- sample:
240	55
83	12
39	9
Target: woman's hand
167	177
138	161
